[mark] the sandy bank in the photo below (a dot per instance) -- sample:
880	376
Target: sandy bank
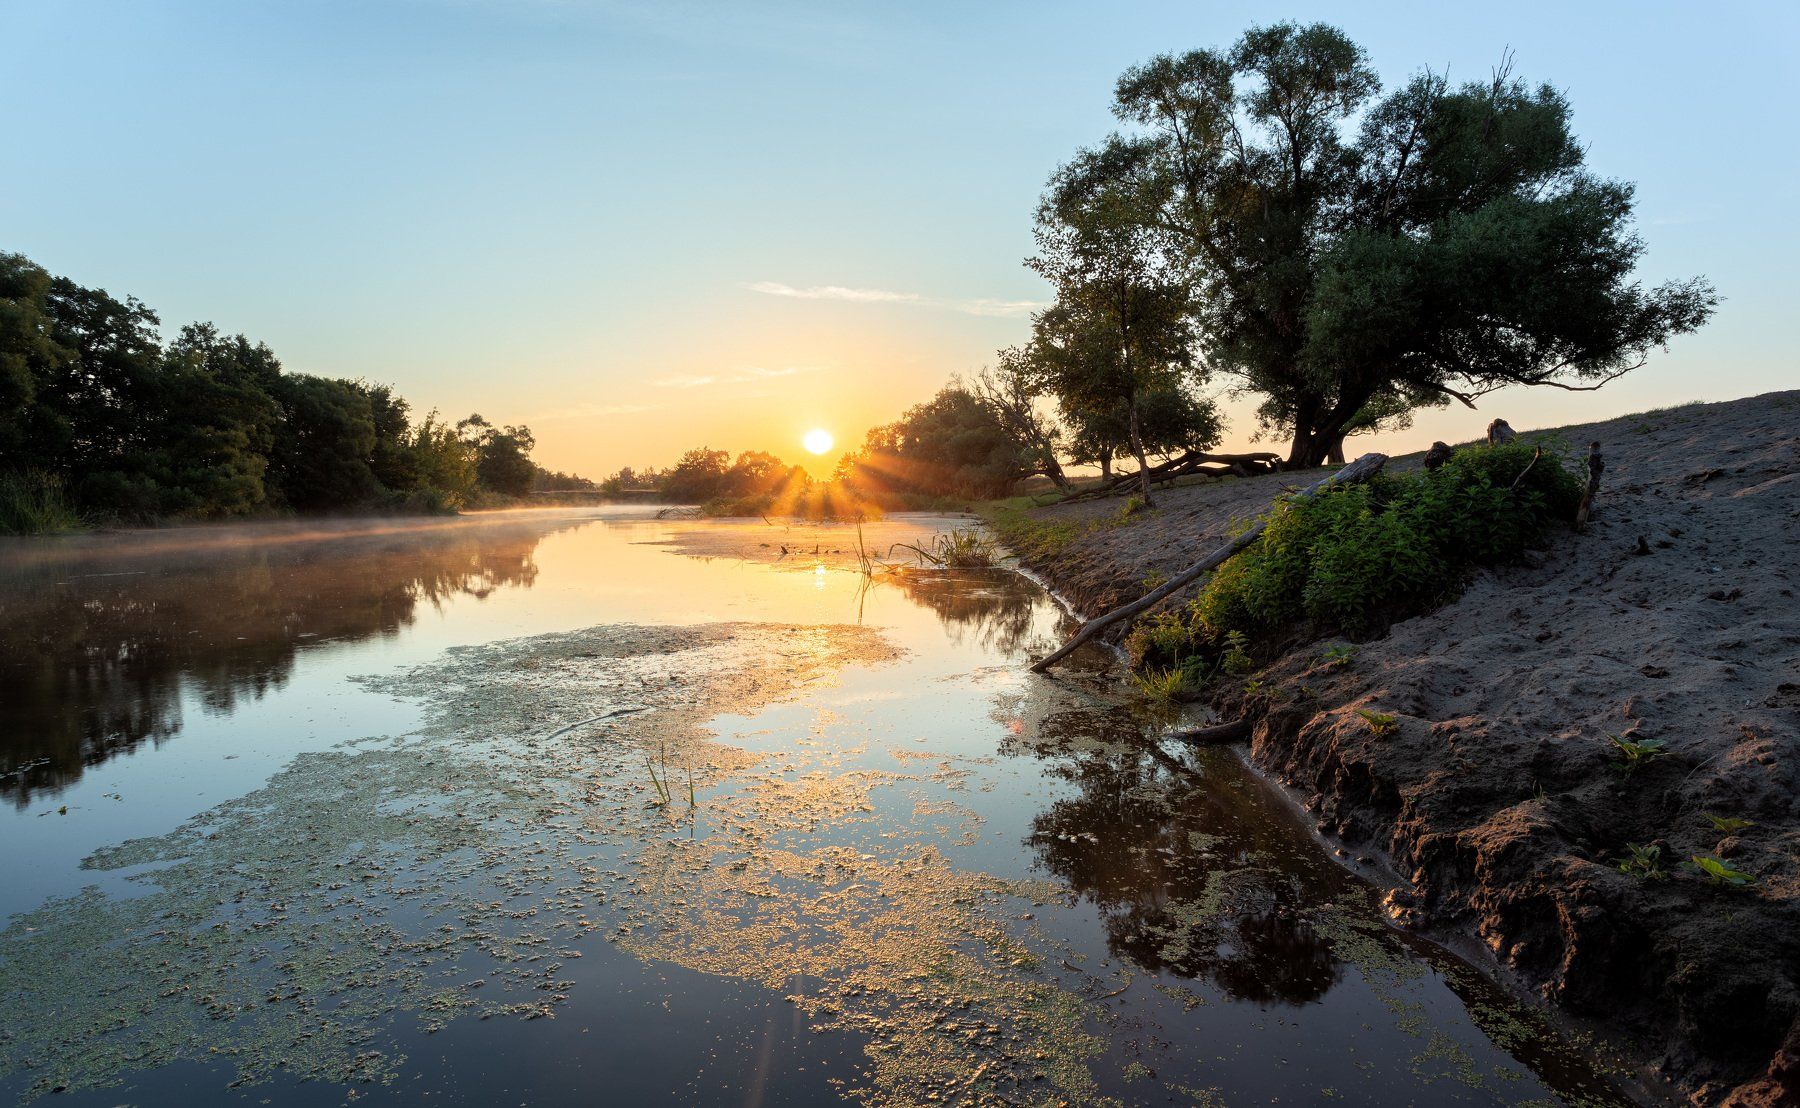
1498	791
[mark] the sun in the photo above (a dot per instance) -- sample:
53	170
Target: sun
817	441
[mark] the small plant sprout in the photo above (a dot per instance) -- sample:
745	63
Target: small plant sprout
1718	873
1643	861
1381	723
1338	655
1637	754
1727	825
1236	658
1256	686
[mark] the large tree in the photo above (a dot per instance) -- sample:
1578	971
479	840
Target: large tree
1353	258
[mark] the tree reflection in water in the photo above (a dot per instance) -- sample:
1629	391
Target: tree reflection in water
996	610
98	645
1197	873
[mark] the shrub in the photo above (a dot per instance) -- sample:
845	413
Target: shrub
1357	558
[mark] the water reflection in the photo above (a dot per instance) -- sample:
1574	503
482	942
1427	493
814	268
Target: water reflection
1191	876
99	643
995	610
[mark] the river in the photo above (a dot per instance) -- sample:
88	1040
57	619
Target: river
580	806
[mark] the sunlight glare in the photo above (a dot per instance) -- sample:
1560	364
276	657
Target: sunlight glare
817	441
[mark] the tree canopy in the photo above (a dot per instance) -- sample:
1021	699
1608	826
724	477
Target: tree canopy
210	425
1351	258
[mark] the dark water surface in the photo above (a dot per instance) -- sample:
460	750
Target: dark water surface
296	816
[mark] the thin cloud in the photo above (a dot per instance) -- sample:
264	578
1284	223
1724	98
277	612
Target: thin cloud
741	375
594	410
987	307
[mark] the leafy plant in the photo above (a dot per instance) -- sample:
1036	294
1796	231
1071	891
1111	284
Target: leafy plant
1236	658
1338	655
1637	753
1727	825
1718	873
1381	723
1642	860
1354	559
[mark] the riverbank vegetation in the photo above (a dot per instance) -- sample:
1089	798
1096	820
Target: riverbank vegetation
1357	558
103	421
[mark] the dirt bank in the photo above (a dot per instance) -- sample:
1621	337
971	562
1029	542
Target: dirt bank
1497	789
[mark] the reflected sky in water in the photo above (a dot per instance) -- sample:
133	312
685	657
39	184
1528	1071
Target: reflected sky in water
1208	944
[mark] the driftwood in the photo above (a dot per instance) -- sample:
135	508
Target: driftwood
1500	433
1218	733
1190	464
1595	467
1361	469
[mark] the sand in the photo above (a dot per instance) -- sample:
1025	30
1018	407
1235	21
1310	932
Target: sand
1499	797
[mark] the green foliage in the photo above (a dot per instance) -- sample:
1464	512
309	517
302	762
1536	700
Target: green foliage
1178	683
1350	256
1381	723
952	445
32	503
1634	755
1643	861
1236	657
1727	825
209	426
1718	873
1338	655
1354	559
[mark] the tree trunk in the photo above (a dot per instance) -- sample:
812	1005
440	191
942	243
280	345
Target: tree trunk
1137	449
1335	455
1106	468
1053	470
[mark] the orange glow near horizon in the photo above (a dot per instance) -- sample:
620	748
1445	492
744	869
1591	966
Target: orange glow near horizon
817	441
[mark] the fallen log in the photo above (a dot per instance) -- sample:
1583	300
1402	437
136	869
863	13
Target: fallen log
1361	469
1187	465
1217	733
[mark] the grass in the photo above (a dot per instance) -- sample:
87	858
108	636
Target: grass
33	503
964	548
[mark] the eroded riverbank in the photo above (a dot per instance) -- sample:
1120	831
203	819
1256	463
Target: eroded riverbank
1497	793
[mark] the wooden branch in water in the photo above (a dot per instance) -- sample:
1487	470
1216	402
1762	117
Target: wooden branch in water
1361	469
1218	733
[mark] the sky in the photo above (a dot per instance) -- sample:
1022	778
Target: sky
643	227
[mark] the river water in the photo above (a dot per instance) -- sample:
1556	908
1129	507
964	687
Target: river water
584	807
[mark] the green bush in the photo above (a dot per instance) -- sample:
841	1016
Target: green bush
1355	559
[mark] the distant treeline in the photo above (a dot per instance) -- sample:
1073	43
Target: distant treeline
101	420
953	449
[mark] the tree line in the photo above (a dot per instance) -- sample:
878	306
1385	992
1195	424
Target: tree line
98	411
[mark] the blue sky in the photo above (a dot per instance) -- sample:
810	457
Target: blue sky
632	225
